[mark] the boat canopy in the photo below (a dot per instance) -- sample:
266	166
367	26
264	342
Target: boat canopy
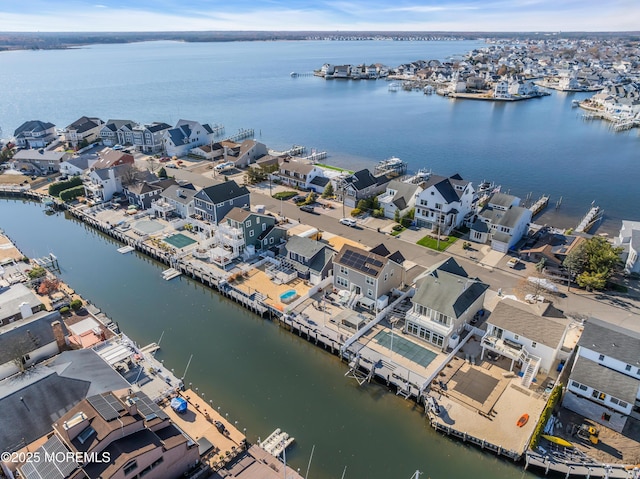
179	404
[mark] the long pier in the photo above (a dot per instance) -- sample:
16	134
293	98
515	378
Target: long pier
539	205
241	135
593	215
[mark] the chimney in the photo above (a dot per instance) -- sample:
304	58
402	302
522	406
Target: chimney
58	334
25	310
130	403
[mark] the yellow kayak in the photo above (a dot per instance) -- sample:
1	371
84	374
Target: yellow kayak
557	440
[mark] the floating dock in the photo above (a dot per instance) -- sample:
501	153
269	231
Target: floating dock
170	273
126	249
276	442
594	214
539	205
150	348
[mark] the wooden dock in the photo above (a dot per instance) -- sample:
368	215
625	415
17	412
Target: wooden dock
150	348
126	249
169	274
539	205
592	216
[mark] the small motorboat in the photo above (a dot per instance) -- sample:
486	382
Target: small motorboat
523	420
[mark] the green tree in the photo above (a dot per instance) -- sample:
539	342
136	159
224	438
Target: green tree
311	198
162	173
363	205
396	216
592	281
593	261
328	191
36	272
76	304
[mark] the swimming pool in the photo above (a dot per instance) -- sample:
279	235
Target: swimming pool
288	296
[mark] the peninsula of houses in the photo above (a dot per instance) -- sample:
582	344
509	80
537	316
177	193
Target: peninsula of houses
507	70
475	330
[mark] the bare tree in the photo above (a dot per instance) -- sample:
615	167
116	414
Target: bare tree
130	175
20	348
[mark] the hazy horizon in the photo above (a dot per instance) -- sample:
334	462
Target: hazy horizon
472	16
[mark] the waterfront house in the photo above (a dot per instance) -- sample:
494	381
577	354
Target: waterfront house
109	158
30	340
629	240
44	162
298	174
251	232
187	134
399	196
83	130
128	427
249	152
370	276
214	202
553	248
147	138
176	200
207	152
35	134
501	221
109	131
49	390
530	335
604	382
501	90
444	203
360	185
17	302
312	259
101	184
446	299
142	193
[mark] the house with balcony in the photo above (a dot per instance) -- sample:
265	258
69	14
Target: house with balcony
84	129
249	152
214	202
399	197
127	427
312	259
256	230
360	185
101	184
369	276
109	131
187	134
629	240
444	202
44	162
175	200
142	193
604	382
530	335
35	134
297	174
501	221
149	138
446	298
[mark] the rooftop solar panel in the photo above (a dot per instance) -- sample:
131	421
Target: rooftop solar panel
104	408
58	468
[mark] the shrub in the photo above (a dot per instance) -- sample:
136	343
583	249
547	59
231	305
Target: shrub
466	245
76	304
356	212
284	195
398	227
379	213
72	193
36	272
56	188
64	310
554	397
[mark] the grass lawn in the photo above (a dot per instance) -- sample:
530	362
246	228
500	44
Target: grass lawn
396	233
432	243
285	195
335	168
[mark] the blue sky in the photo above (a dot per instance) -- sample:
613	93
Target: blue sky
329	15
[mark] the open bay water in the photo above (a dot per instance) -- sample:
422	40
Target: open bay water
536	147
259	374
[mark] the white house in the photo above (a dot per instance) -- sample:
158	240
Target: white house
531	335
629	240
177	200
604	383
101	184
444	203
500	221
400	197
298	174
445	299
186	135
501	89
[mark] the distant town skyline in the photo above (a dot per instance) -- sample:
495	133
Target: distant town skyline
331	15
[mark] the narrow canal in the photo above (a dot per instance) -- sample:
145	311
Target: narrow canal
262	376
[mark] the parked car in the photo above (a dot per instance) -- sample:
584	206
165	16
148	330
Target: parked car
171	165
513	262
297	199
307	209
348	222
164	159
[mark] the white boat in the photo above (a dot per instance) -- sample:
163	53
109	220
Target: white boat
575	103
126	249
276	443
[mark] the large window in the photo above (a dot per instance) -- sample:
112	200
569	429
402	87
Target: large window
340	281
130	467
343	270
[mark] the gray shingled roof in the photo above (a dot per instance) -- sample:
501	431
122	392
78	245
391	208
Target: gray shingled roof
361	179
445	186
614	383
522	319
34	332
32	125
12	297
84	123
448	293
39	155
501	199
305	247
222	192
187	193
611	340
